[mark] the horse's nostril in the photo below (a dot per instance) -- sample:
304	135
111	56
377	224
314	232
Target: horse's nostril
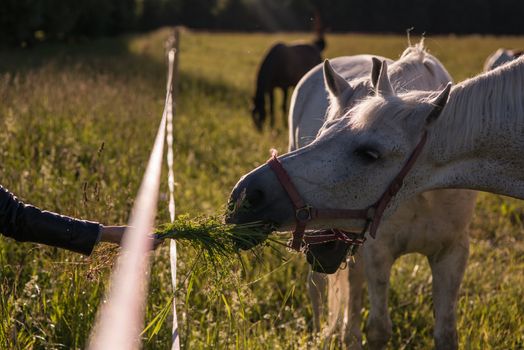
255	198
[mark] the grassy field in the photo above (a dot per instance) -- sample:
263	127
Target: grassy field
76	126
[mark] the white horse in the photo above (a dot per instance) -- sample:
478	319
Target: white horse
500	57
433	224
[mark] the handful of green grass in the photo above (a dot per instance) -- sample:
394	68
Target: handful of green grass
213	237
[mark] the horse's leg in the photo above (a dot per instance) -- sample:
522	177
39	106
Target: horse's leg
447	268
353	317
378	262
272	108
284	107
317	291
337	301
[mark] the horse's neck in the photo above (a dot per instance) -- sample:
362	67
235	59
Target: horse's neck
489	174
261	88
478	141
403	78
361	89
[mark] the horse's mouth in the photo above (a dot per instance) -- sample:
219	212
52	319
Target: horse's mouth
327	257
240	212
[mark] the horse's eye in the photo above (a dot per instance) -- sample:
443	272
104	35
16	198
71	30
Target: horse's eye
367	154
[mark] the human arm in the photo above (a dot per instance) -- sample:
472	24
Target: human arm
26	223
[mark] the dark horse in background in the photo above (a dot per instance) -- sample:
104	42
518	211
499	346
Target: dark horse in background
283	66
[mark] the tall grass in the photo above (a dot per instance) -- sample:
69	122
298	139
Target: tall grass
76	127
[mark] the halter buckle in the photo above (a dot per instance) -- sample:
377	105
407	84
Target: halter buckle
303	214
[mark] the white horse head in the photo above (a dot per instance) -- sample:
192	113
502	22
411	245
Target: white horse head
324	186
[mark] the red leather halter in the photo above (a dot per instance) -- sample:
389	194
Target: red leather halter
305	213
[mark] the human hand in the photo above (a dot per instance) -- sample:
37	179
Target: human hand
114	234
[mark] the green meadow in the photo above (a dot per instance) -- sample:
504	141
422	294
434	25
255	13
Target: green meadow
77	123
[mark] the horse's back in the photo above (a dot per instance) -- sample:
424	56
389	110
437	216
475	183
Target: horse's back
291	62
271	58
309	101
284	64
309	97
301	58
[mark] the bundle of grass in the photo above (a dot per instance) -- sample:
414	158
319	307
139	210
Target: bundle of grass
213	238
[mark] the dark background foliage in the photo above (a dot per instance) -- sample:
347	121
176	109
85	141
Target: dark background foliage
26	22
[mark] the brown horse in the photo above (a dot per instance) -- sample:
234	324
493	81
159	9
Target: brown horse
282	67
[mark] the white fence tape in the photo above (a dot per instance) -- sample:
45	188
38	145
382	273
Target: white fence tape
121	316
175	340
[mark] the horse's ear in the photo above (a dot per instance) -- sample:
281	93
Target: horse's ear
383	87
375	71
438	103
335	84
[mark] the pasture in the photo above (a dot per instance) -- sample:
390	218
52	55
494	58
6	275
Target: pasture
76	126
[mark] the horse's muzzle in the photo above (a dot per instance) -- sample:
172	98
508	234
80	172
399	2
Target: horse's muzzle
258	197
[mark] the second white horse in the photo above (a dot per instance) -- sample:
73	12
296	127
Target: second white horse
433	224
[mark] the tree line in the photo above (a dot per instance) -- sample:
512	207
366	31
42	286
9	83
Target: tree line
26	22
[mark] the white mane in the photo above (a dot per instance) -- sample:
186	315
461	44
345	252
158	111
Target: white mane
360	89
492	102
486	103
389	110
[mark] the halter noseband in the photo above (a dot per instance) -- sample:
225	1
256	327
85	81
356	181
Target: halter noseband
305	213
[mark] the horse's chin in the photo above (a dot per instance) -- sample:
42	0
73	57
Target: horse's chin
327	257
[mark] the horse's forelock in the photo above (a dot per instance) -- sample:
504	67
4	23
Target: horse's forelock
361	87
391	109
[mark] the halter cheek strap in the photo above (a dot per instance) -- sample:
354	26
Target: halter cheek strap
395	185
305	213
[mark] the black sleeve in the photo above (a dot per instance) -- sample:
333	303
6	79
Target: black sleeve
26	223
